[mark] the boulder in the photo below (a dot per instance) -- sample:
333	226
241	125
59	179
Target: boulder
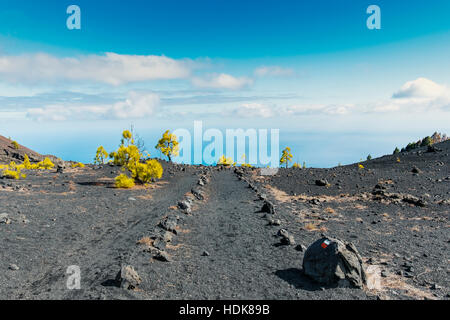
332	261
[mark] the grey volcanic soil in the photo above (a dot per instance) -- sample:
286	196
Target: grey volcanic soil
77	218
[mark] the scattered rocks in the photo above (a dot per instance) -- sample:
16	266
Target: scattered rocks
435	286
433	149
128	278
397	197
334	262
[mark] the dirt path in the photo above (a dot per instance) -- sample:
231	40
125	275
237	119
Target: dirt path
244	257
96	229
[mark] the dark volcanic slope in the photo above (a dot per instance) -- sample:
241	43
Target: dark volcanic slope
396	217
8	153
77	218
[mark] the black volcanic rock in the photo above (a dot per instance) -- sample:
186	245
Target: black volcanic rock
321	182
332	261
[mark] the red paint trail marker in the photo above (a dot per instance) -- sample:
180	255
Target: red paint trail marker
325	244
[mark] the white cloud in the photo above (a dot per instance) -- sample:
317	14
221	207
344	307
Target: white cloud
316	108
222	81
111	68
273	71
137	105
253	110
421	88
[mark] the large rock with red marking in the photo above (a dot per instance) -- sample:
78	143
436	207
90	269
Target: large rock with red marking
334	262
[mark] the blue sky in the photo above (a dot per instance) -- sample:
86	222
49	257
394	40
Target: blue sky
309	68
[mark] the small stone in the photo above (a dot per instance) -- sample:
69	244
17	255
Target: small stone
286	238
198	194
131	199
274	222
300	248
435	286
128	278
162	256
268	207
321	182
13	267
169	224
4	218
416	170
205	253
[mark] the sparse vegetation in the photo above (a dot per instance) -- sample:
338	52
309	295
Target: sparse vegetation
100	156
123	181
427	141
286	156
245	164
77	165
130	158
15	145
13	170
296	165
225	161
168	145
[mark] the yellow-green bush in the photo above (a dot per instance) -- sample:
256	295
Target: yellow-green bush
130	158
100	155
46	164
286	156
168	145
225	161
123	181
77	165
13	171
15	145
26	162
145	172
